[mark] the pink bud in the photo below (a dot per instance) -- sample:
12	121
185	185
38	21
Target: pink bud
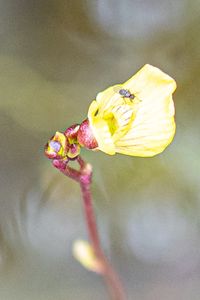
71	133
85	136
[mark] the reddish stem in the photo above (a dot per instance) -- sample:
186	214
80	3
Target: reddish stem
84	177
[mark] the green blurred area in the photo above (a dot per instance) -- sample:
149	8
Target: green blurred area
55	56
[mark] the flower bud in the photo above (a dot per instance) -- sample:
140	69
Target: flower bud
73	151
57	146
85	136
71	133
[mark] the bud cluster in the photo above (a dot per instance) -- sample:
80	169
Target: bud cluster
66	146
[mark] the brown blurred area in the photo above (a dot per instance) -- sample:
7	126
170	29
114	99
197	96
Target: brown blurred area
55	56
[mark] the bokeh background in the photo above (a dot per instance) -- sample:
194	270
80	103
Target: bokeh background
55	55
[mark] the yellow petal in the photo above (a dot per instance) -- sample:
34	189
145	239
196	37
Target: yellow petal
100	130
150	83
110	122
153	127
84	253
108	98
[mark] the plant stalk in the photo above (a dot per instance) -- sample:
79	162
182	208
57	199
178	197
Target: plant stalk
84	176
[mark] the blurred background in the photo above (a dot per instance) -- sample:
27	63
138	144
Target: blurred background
55	56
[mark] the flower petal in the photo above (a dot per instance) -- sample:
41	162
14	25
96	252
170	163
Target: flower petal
100	130
108	98
153	127
150	82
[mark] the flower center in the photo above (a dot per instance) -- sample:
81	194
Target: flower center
111	122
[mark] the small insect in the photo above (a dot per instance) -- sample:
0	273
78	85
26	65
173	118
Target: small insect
126	93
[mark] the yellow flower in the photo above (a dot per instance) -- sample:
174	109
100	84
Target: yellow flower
137	117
